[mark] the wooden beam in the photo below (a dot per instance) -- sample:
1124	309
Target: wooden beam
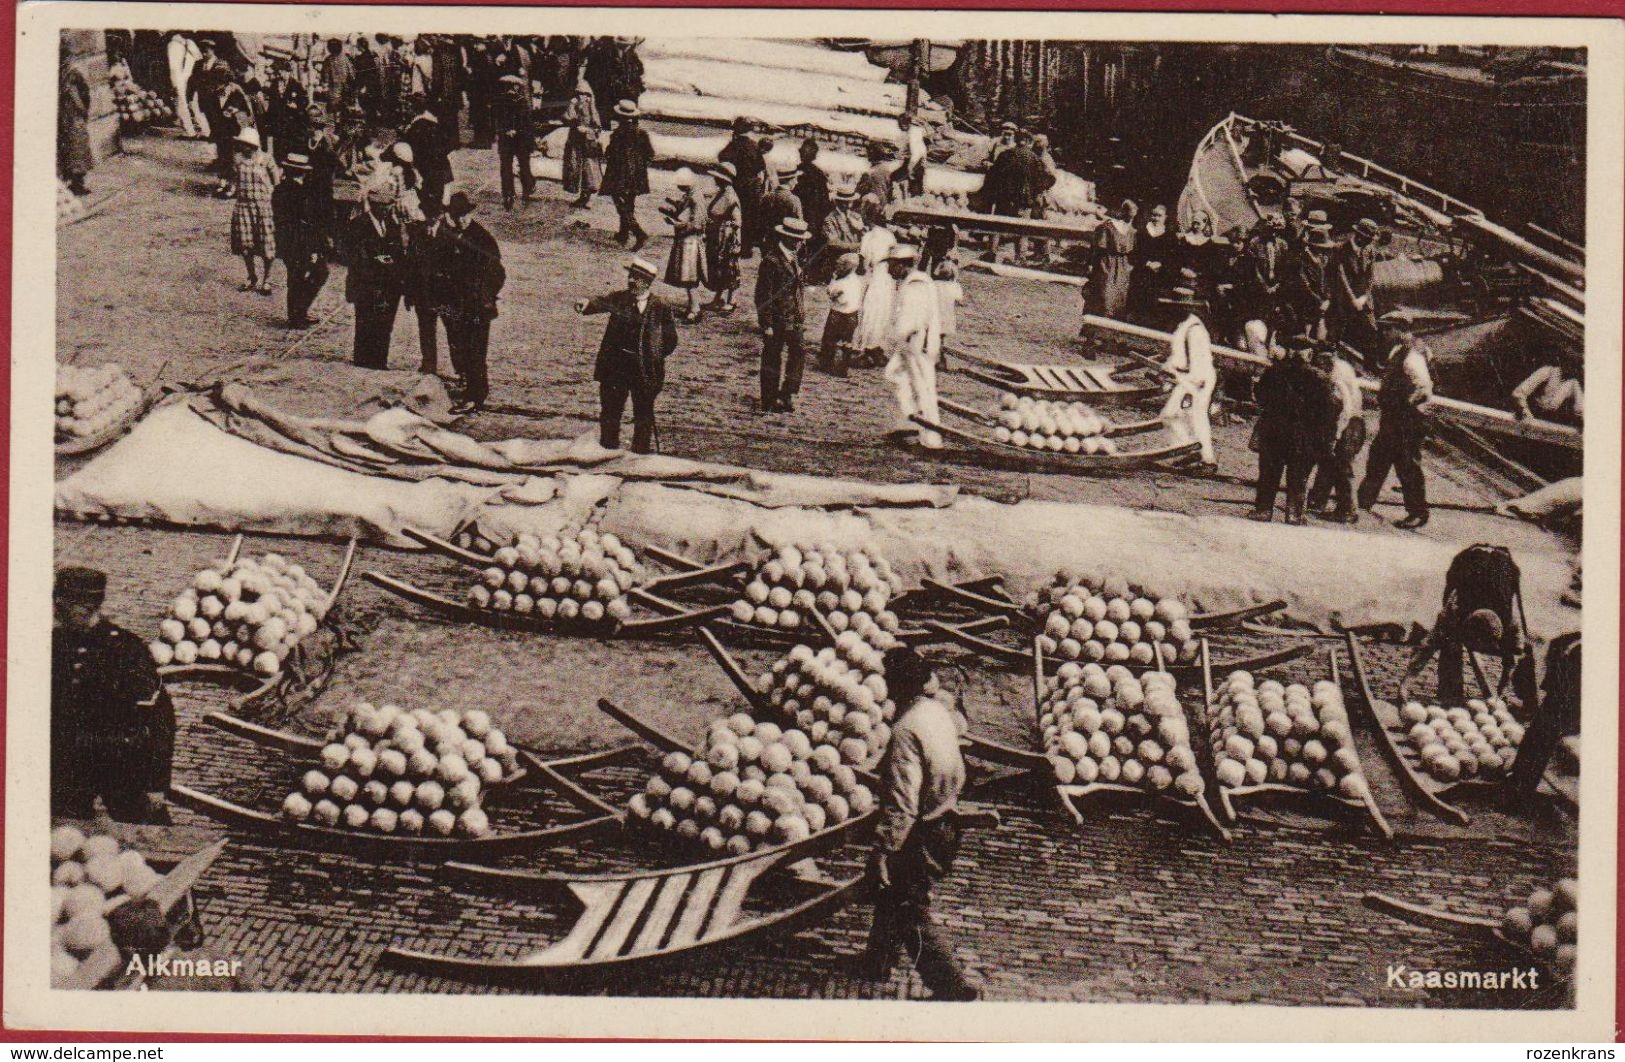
1466	413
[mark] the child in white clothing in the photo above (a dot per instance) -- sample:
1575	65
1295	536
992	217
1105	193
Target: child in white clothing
845	302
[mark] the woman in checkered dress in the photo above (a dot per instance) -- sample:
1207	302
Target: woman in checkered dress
253	229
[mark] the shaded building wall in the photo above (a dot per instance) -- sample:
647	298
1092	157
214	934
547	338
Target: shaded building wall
87	49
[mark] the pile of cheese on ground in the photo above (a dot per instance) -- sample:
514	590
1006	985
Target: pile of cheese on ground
1106	619
1107	725
582	577
249	614
1477	741
87	875
1267	732
135	105
389	770
91	400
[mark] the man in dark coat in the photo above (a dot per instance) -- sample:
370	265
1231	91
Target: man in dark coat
112	725
427	136
626	172
745	155
1294	408
1309	283
515	136
1266	259
73	155
625	79
781	203
1353	317
317	146
338	78
421	293
640	336
302	237
367	83
781	312
287	116
377	272
483	75
468	276
391	73
450	79
1558	717
842	233
812	188
596	68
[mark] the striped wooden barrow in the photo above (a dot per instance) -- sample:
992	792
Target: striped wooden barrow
1077	382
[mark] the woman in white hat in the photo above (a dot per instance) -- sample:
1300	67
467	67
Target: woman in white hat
253	225
685	268
583	151
880	292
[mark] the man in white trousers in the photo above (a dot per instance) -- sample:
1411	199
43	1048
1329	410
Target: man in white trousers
1190	361
183	56
916	344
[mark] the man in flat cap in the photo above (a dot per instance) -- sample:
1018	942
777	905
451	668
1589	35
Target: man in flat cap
640	336
468	276
112	725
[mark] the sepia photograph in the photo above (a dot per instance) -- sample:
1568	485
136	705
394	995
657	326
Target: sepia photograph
1088	512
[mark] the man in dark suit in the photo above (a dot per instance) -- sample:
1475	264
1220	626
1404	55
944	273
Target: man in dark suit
467	276
428	141
745	155
781	312
302	236
640	336
626	172
515	136
377	261
777	205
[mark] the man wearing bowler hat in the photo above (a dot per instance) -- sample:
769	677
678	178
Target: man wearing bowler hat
640	336
112	725
467	275
781	312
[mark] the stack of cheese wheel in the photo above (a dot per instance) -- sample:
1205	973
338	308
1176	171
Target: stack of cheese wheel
90	400
1548	925
1267	732
388	770
1057	427
1109	621
852	589
88	874
1477	741
1108	725
249	614
580	578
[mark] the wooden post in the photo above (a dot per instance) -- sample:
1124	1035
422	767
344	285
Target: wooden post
916	65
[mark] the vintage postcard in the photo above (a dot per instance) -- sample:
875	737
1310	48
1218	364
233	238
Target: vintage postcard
802	519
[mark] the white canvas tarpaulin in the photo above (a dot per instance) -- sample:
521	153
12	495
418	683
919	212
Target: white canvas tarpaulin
678	106
760	51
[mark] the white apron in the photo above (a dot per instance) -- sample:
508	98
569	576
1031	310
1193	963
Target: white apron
1191	362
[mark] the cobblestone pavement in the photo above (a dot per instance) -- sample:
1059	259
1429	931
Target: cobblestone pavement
1130	906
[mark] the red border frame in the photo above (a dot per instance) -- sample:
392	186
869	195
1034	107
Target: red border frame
8	60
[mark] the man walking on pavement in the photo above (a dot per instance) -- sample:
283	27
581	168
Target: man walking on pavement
1407	387
781	312
515	136
1334	477
918	838
468	276
640	335
302	237
626	172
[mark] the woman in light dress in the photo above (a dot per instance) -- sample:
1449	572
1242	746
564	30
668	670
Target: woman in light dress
880	293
